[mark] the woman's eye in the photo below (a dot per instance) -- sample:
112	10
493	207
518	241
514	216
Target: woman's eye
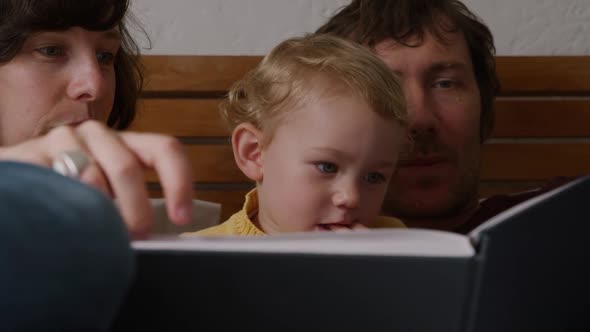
51	51
374	178
105	57
327	167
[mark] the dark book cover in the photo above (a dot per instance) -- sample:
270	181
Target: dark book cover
523	270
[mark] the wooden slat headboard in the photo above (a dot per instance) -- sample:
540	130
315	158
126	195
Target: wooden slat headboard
542	121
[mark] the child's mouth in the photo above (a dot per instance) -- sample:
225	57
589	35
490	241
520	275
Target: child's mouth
336	225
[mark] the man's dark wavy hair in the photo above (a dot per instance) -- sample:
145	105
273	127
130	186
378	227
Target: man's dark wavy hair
371	21
19	19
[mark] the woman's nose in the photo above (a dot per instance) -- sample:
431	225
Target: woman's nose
87	80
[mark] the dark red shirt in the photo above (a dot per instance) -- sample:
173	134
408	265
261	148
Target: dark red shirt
494	205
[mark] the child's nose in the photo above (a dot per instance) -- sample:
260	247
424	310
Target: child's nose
346	196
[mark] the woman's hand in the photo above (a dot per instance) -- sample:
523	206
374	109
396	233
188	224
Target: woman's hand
117	166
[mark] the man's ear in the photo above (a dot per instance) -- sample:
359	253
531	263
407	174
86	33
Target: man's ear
246	141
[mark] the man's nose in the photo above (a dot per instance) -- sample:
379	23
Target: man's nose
422	120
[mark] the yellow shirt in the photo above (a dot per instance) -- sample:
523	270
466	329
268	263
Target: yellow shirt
241	222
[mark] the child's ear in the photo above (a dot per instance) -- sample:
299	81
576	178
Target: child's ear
247	146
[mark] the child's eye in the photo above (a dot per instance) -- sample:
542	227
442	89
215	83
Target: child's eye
51	51
327	167
374	178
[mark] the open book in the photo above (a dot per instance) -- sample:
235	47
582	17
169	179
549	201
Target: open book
523	270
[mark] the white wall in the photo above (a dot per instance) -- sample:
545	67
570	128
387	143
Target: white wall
537	27
253	27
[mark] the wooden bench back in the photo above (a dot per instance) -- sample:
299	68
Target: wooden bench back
542	122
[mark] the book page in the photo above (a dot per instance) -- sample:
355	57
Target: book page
204	214
390	242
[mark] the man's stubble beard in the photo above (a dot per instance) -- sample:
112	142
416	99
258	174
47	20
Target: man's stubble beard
462	193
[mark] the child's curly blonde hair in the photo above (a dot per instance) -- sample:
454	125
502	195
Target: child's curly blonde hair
282	81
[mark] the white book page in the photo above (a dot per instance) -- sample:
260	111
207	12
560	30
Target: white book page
390	242
204	214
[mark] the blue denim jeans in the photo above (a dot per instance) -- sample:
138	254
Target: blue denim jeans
65	259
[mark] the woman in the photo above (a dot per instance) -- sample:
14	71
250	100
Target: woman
68	74
67	68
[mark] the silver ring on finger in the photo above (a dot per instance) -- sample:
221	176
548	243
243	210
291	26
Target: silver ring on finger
71	163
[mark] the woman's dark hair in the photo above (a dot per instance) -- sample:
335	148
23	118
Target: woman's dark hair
371	21
19	19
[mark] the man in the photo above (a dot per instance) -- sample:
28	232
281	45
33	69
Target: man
445	58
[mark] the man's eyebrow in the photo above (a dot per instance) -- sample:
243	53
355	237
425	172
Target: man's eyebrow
446	65
440	66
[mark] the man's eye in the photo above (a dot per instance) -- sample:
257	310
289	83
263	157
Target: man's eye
105	57
51	51
444	84
327	167
374	178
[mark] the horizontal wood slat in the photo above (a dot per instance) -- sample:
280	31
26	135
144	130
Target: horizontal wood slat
501	161
534	162
194	73
186	117
180	117
544	75
542	118
534	75
211	163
